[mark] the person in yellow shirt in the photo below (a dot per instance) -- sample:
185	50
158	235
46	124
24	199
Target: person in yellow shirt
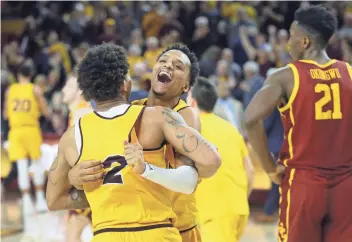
127	203
222	200
78	219
24	104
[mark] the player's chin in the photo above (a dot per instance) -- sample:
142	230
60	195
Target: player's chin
159	93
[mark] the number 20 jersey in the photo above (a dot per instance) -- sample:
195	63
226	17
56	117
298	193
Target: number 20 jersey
318	119
22	106
125	199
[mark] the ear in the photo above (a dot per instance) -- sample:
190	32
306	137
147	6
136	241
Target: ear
306	42
186	87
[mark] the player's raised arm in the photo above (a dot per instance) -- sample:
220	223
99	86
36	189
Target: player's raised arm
262	104
43	105
188	141
59	192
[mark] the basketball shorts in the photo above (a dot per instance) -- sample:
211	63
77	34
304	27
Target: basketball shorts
227	228
315	209
169	234
191	235
25	143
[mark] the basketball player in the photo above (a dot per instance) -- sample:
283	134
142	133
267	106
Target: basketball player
232	183
24	104
116	203
78	219
317	118
167	92
169	82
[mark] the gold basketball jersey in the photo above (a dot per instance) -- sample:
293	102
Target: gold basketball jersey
22	106
125	199
184	205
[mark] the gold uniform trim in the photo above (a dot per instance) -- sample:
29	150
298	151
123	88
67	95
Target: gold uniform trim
295	88
319	65
349	69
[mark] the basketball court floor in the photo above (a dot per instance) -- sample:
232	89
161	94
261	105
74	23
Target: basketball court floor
50	227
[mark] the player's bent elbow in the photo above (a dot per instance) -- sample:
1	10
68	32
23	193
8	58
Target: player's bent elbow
249	121
209	167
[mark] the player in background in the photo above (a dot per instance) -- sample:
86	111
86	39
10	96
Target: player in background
315	171
24	103
232	184
103	77
79	220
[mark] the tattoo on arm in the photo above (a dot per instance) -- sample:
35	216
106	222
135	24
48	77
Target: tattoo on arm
53	168
78	199
189	142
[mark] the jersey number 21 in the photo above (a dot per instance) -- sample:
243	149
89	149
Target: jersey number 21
327	89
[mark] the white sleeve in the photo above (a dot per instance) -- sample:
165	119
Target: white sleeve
182	179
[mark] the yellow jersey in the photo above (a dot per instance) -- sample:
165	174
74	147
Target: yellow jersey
225	193
125	199
184	205
22	106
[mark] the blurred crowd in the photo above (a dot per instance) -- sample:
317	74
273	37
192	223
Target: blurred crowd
238	43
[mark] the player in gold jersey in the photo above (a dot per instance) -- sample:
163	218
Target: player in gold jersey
124	201
24	103
80	219
222	200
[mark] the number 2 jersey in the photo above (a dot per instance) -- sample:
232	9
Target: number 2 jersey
125	201
22	106
318	119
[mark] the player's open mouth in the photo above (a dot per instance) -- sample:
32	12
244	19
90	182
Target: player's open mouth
164	76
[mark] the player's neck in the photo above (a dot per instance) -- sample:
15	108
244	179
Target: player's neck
106	105
155	101
22	80
74	103
319	56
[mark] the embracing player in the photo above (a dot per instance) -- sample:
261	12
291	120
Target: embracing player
315	168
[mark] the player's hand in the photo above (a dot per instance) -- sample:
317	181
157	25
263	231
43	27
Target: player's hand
85	172
277	176
134	156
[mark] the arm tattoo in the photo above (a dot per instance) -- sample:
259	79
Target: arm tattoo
53	168
78	199
189	142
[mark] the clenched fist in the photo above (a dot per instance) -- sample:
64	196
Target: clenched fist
134	156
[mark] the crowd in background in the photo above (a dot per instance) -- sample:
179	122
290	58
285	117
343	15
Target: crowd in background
238	43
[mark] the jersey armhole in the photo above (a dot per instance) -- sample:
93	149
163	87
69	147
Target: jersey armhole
78	139
349	69
294	90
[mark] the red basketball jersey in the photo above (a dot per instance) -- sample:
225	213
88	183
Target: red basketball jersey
318	118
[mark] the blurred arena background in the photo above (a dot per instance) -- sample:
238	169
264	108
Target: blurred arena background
238	43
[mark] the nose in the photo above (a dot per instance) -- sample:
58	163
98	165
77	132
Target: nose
168	64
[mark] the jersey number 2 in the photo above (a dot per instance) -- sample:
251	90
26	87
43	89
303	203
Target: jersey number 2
113	176
327	89
22	105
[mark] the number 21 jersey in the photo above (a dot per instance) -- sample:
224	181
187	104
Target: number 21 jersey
318	119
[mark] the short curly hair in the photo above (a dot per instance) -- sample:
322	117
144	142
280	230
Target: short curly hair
102	72
318	21
192	57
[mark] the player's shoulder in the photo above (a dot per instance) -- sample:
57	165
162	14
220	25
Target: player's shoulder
68	138
139	101
191	116
283	72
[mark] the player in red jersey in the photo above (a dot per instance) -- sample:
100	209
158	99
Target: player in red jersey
315	94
